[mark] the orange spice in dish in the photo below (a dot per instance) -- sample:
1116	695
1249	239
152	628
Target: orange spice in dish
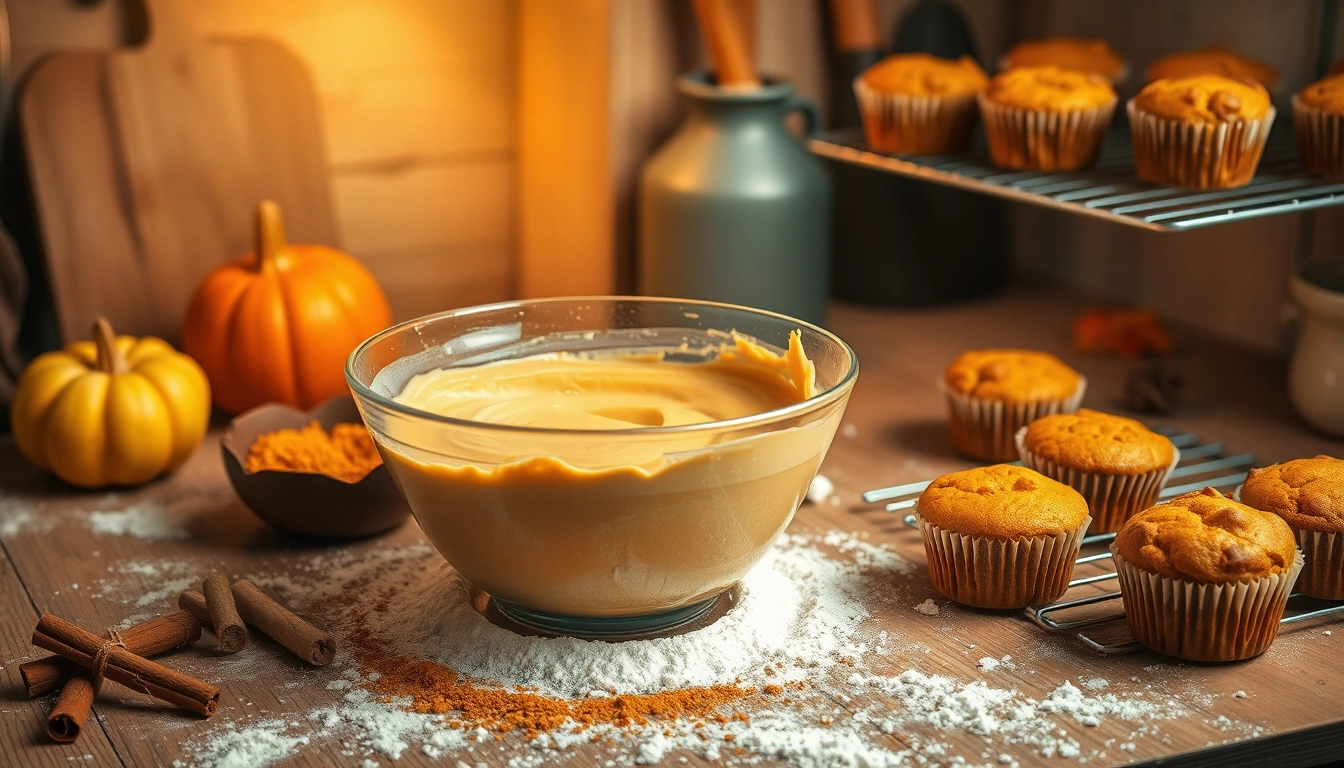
346	453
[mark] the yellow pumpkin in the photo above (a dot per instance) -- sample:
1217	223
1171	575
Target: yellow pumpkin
113	411
278	324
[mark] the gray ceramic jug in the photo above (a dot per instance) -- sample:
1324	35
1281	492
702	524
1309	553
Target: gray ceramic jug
733	208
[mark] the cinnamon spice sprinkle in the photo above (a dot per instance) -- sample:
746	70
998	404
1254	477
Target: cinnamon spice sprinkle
436	689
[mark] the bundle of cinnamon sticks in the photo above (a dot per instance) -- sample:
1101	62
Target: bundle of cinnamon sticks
84	660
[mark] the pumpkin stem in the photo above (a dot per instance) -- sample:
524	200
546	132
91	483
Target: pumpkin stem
110	359
271	243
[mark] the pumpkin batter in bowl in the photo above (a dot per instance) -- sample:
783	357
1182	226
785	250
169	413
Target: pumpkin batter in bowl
603	466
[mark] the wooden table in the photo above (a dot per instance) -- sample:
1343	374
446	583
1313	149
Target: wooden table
1293	710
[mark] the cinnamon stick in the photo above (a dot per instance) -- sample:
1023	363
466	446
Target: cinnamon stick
726	43
71	710
230	633
282	625
137	673
148	639
193	601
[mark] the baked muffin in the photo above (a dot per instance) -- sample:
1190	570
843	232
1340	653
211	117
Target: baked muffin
1214	60
1318	116
1079	54
919	104
1046	118
1201	132
1002	536
1309	495
1205	578
992	393
1117	464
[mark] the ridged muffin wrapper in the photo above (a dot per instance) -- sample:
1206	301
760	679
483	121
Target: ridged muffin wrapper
986	572
1111	498
1042	140
1320	139
1195	155
915	125
985	429
1204	622
1323	573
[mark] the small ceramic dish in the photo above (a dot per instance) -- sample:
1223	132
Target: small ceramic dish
309	503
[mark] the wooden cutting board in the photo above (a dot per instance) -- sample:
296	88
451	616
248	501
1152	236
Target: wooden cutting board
147	164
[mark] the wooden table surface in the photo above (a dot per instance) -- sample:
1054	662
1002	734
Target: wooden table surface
58	560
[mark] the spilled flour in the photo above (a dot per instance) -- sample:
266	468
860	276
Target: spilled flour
816	679
796	602
113	516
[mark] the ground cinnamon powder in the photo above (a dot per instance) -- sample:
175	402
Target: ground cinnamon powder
435	689
346	453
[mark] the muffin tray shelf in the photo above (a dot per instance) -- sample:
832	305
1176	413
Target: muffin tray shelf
1110	190
1205	461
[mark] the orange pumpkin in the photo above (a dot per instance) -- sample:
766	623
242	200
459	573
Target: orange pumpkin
278	324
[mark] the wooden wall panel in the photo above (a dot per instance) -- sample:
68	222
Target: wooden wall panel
652	43
418	100
566	209
445	241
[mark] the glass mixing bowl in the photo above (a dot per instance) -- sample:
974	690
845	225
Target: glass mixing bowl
617	532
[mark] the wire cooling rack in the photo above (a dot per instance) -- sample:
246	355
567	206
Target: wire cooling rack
1110	190
1201	465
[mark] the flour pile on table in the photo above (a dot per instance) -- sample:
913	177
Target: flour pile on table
798	604
112	516
799	624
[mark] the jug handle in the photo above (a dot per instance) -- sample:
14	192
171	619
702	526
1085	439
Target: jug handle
811	114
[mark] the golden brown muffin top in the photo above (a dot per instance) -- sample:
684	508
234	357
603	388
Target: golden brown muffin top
1326	95
1074	53
1050	89
1214	60
1003	501
1307	493
1093	441
921	74
1204	99
1012	375
1208	538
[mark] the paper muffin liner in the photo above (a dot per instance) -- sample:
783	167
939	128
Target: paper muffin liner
1323	573
984	429
1111	498
1029	139
1204	622
915	125
1320	139
1194	155
985	572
